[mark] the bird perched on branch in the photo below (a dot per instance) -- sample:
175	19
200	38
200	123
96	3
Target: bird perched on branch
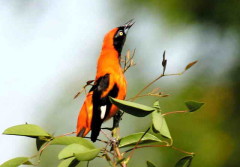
109	81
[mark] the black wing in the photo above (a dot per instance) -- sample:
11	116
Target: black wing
101	106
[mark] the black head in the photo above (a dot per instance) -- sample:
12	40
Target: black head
120	35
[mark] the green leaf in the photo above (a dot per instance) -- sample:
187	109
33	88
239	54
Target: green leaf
70	162
76	150
87	155
193	105
121	160
134	138
28	130
15	162
184	162
132	108
156	105
72	149
67	140
150	164
39	142
160	125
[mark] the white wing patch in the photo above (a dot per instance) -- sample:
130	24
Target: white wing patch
103	111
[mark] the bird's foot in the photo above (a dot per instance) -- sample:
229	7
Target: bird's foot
110	129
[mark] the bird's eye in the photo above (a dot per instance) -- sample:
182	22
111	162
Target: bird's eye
121	33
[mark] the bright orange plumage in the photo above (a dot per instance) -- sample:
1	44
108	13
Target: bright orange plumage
109	81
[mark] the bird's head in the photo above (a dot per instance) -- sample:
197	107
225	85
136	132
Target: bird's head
117	36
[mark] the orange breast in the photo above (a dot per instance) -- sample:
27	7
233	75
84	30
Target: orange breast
122	85
108	63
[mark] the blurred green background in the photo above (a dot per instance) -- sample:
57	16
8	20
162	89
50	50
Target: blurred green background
49	49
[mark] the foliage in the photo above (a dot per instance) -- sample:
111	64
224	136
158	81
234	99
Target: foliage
184	162
79	149
222	14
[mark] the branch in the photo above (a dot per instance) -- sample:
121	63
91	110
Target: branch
115	134
88	83
183	151
173	112
164	64
128	61
147	146
130	156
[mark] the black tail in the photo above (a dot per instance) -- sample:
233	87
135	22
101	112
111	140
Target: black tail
96	128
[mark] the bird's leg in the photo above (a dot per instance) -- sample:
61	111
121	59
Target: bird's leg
116	119
115	129
115	132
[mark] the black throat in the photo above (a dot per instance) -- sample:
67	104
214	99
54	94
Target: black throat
118	41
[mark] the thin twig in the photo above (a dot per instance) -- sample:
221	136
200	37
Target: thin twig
148	85
131	57
173	112
125	60
48	143
106	135
108	158
128	61
118	153
164	64
97	139
166	75
66	134
88	83
146	146
183	151
44	147
130	156
152	82
149	94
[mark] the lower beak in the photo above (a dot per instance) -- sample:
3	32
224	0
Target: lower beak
128	25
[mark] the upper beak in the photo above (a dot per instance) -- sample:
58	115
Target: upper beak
128	25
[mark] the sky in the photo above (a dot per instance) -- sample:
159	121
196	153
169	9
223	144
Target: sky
42	44
48	50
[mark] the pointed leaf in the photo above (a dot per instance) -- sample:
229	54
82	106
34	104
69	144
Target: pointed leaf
74	149
160	125
193	105
70	162
184	162
67	140
15	162
190	65
150	164
87	155
132	108
28	130
156	105
134	138
39	143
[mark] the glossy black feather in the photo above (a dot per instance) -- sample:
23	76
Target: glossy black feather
100	86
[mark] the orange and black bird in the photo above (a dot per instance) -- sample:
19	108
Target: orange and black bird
109	81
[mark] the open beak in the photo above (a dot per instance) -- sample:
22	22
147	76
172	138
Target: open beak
128	25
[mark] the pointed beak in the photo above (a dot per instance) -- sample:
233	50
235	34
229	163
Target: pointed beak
128	25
